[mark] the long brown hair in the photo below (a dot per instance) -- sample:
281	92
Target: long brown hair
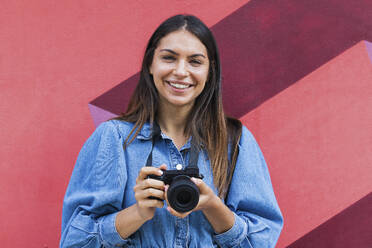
206	123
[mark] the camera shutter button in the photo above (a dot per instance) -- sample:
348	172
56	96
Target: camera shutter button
179	166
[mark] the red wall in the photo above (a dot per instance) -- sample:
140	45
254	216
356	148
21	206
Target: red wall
57	57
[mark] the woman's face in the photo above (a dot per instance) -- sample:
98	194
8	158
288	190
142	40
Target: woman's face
180	68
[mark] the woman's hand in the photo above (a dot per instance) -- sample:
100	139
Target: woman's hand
218	214
207	199
146	187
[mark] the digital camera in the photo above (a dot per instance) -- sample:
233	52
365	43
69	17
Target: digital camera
183	194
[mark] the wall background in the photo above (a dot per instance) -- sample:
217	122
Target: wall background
297	73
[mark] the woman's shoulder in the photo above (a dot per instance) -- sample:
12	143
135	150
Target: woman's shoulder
237	130
247	135
248	142
112	128
124	128
120	125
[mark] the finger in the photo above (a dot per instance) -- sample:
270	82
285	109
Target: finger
140	193
151	183
146	198
154	193
163	167
148	170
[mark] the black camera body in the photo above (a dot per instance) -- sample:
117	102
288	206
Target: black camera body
183	194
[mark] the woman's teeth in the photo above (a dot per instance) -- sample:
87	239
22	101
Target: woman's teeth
179	86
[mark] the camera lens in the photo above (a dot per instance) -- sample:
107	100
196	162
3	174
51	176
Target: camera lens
184	198
183	194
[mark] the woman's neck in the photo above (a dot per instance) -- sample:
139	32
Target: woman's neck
172	121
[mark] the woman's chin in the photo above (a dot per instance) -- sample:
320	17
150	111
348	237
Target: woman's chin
178	103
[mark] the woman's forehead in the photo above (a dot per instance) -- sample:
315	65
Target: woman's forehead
182	41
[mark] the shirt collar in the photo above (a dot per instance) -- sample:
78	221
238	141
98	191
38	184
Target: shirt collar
184	147
146	132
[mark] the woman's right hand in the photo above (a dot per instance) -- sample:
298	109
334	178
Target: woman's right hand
146	187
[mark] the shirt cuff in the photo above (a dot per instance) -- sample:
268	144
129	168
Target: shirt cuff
235	235
109	234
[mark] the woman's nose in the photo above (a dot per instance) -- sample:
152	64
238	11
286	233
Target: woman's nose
181	69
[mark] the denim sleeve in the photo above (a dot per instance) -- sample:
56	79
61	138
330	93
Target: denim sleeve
258	220
95	192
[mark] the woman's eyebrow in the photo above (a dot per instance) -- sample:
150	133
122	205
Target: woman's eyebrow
191	56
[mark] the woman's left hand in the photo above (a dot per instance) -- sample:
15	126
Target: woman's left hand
207	198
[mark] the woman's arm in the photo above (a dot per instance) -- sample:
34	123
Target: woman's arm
92	210
95	192
218	214
258	220
132	218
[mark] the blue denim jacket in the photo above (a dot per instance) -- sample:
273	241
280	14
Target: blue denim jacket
102	184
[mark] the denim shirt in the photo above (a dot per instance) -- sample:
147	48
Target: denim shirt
104	176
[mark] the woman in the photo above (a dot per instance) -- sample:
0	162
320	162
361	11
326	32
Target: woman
112	202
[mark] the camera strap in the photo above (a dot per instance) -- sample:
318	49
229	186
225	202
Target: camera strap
194	151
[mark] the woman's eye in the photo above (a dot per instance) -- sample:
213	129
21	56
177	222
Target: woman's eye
169	58
195	62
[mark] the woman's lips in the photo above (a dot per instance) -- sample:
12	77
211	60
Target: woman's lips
178	85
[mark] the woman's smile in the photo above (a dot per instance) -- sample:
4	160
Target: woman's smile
178	86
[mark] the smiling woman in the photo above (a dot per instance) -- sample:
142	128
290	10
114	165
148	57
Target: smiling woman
179	69
174	137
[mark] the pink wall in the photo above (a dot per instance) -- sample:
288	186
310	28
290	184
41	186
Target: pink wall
313	126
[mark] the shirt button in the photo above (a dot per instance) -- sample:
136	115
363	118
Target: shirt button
179	166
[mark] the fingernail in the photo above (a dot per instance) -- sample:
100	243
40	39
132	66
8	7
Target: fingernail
161	172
